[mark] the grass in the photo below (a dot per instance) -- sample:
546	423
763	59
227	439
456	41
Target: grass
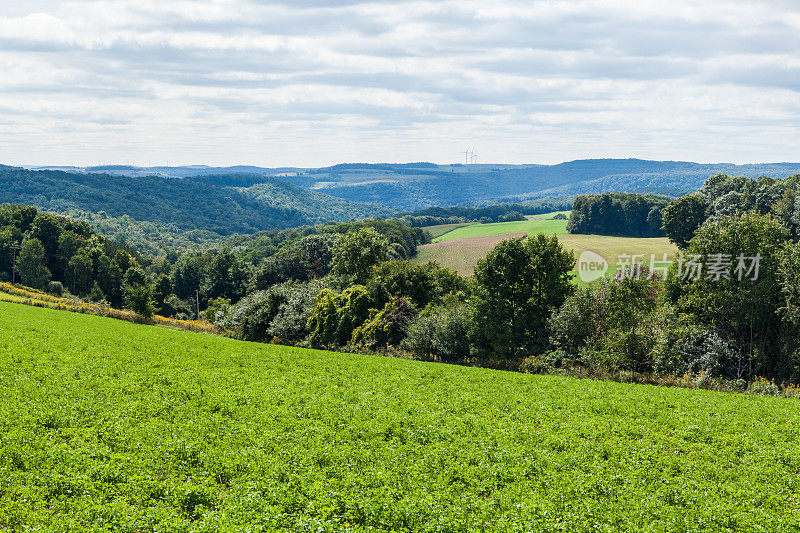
440	229
534	224
108	425
4	296
460	248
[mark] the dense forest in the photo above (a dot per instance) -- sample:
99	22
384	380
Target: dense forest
188	204
621	214
49	252
407	189
411	186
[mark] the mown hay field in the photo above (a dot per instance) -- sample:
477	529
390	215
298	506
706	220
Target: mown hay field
461	248
109	425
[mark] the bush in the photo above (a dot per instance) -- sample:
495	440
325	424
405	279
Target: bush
281	311
139	299
387	327
337	315
96	293
55	288
442	333
560	216
764	387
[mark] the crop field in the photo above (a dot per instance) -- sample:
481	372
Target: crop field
440	229
461	248
534	224
108	425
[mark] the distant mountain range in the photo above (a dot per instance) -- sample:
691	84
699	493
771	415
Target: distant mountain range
409	186
183	207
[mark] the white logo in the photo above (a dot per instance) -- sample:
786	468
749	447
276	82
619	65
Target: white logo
591	266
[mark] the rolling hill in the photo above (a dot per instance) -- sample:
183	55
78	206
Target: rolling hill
108	425
410	186
221	206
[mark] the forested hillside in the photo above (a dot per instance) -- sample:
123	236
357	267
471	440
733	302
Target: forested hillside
416	188
221	206
410	186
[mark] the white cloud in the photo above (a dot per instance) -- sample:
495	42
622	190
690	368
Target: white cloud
316	82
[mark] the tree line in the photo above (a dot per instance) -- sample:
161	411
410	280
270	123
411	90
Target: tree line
620	214
54	253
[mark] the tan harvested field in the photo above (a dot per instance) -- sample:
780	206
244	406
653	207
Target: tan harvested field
462	254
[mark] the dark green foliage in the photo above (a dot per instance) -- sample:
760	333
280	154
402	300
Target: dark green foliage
308	258
96	294
607	326
317	208
281	312
356	252
70	251
188	276
420	284
187	204
162	290
743	311
519	284
79	272
682	218
560	216
139	299
433	216
55	288
138	293
442	333
629	215
227	277
31	264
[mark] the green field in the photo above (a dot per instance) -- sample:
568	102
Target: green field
534	224
108	425
462	247
441	229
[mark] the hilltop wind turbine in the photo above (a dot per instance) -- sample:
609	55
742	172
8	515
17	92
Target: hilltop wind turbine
467	154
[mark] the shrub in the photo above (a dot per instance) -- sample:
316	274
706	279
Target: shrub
96	293
386	327
764	387
139	299
55	288
336	316
281	311
442	333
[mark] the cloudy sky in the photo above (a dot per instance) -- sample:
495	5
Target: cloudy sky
310	82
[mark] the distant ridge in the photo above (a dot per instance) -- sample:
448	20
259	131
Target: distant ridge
411	186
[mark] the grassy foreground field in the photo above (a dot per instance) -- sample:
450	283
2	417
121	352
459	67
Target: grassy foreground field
108	425
461	247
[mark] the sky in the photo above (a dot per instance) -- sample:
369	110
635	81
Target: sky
311	83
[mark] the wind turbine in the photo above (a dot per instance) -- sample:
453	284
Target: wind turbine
466	156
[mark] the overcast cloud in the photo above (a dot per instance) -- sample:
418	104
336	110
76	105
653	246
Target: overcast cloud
309	83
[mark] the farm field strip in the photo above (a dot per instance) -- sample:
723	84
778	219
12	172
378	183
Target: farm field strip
108	425
461	248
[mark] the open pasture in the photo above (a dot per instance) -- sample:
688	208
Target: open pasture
107	425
